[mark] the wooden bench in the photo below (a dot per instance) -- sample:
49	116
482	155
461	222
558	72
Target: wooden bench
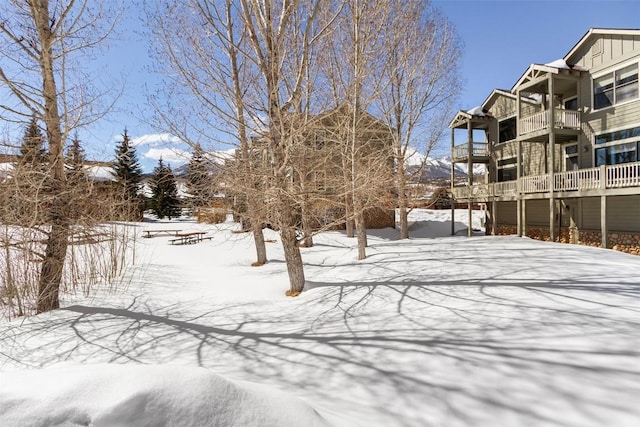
189	238
153	233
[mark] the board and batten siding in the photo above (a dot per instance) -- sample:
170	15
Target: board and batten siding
601	51
537	213
599	54
590	214
623	213
507	213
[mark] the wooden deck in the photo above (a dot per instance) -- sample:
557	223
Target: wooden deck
576	183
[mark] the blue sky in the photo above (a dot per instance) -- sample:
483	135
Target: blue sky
501	39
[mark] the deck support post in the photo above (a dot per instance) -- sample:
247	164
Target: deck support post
470	174
494	217
524	218
453	173
519	201
551	167
603	222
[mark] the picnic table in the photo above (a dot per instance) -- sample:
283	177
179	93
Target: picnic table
189	238
153	233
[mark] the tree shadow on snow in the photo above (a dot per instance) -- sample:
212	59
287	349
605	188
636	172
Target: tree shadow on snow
465	351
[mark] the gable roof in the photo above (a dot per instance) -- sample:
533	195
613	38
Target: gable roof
600	31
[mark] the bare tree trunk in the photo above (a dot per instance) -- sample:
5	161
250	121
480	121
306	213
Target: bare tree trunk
56	249
348	197
361	232
307	240
294	261
258	238
402	200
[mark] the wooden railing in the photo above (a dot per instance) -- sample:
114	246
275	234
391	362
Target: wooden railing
615	176
505	188
480	149
624	175
535	184
566	119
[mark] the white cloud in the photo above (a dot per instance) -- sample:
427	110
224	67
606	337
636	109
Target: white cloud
168	155
155	139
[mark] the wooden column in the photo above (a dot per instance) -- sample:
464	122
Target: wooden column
453	200
551	167
519	213
494	217
573	228
524	217
603	222
470	174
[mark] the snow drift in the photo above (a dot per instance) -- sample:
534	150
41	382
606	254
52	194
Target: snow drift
143	395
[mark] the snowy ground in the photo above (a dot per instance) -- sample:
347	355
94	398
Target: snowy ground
434	331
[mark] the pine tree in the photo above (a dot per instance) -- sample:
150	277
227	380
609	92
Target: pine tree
128	175
164	192
127	170
32	151
75	160
199	181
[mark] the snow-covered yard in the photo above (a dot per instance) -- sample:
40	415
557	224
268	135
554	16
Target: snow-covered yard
434	331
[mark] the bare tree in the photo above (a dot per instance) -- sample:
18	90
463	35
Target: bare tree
38	41
282	34
354	69
210	62
422	53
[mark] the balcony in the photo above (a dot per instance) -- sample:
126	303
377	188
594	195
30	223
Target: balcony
600	178
480	152
563	119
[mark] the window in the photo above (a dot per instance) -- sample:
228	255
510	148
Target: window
615	87
507	170
571	157
617	147
507	130
571	104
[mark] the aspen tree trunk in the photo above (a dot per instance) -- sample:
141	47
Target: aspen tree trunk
57	241
256	224
402	200
361	231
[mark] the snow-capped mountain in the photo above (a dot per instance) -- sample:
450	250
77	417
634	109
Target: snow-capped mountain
439	169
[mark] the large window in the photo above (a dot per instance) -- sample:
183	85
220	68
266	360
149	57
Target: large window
507	130
615	87
617	147
507	170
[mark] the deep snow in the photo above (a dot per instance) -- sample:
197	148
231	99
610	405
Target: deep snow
436	330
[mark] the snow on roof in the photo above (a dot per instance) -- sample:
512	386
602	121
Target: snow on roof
476	111
561	63
100	173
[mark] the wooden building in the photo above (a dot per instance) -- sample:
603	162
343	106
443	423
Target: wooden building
561	147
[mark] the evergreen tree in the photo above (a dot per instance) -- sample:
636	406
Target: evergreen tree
164	192
126	169
32	151
199	181
78	183
75	160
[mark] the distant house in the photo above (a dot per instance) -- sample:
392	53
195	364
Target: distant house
101	199
320	158
561	147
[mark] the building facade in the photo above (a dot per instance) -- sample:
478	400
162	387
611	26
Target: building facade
561	147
